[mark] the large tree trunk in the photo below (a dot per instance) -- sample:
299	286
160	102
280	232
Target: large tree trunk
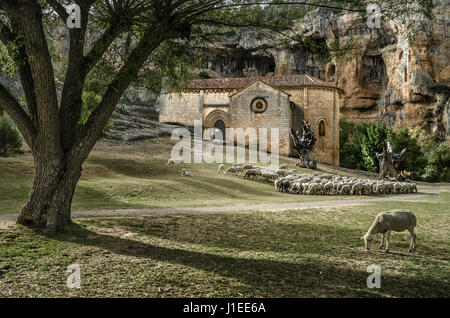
51	196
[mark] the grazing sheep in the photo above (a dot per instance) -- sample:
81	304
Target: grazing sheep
277	184
221	168
185	173
315	188
175	162
328	187
285	185
380	188
295	187
397	187
345	189
292	181
231	170
252	173
396	220
238	168
356	189
268	176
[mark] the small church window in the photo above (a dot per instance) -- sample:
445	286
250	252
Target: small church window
258	105
322	128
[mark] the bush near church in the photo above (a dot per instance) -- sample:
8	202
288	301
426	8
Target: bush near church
10	141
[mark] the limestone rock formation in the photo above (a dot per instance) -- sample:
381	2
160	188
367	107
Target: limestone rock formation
134	122
403	81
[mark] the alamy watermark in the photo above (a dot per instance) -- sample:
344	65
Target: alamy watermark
74	18
74	279
373	19
374	279
258	141
374	16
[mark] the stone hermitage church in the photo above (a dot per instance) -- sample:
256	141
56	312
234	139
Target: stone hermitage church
260	102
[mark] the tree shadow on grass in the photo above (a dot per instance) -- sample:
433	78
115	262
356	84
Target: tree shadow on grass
221	185
133	168
246	233
266	277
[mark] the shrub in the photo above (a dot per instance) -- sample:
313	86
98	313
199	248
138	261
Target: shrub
359	144
204	75
371	143
91	100
10	141
349	153
415	160
438	168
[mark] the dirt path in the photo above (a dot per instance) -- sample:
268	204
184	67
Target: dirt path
7	218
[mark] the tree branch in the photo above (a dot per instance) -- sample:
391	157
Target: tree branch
20	117
32	31
21	60
93	128
71	102
59	9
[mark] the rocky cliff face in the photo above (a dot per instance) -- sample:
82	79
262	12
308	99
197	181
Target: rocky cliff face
405	82
389	77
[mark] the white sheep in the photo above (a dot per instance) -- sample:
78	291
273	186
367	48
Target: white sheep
315	188
221	168
252	173
231	170
185	173
396	220
283	166
175	162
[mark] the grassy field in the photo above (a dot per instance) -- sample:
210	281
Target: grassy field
298	253
308	253
137	177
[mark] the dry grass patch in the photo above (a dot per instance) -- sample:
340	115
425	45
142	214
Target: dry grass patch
307	253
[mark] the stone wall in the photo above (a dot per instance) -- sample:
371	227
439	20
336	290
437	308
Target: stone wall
320	104
277	114
285	109
181	108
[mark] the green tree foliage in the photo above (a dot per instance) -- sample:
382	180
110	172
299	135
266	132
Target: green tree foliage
415	160
425	159
424	141
10	141
359	144
350	157
438	168
371	143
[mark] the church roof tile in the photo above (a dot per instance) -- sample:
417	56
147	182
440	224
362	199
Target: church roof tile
241	82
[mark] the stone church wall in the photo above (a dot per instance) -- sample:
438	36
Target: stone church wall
314	104
321	104
182	108
277	114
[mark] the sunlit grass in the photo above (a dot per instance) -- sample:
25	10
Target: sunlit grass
307	253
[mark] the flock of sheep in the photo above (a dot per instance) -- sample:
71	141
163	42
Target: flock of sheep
290	181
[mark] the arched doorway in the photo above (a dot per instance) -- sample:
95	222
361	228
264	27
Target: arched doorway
218	120
219	126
